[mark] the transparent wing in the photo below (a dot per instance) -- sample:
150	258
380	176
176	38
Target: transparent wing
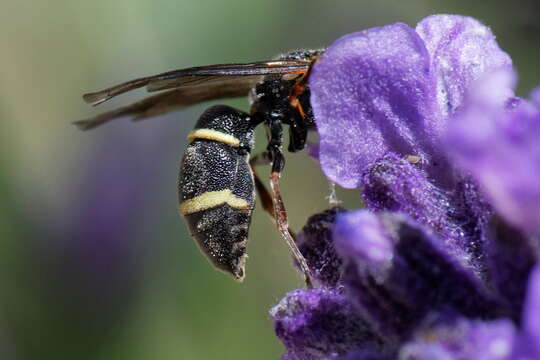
201	76
190	86
174	99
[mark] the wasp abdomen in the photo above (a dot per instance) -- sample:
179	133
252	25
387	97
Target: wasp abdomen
216	187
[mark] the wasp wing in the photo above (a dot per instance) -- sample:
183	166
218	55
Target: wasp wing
190	86
174	100
200	76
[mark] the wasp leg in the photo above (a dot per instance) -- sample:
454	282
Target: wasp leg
280	216
264	195
283	226
274	202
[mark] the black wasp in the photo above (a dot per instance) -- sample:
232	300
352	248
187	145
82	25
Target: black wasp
216	182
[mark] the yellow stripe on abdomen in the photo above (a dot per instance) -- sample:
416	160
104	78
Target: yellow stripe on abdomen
211	199
214	135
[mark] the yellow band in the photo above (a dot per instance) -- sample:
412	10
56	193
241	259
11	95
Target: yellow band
214	135
211	199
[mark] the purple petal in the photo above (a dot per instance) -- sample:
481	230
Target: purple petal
371	93
394	184
509	275
531	314
319	324
317	245
461	50
500	146
462	339
397	273
391	89
366	355
535	96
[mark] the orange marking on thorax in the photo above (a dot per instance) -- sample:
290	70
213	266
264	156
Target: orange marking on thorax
297	90
300	87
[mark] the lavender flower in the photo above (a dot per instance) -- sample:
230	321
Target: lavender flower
320	323
316	244
440	263
459	338
393	88
496	139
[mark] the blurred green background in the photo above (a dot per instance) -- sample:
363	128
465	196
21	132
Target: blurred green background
94	260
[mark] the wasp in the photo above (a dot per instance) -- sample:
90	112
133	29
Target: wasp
217	181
